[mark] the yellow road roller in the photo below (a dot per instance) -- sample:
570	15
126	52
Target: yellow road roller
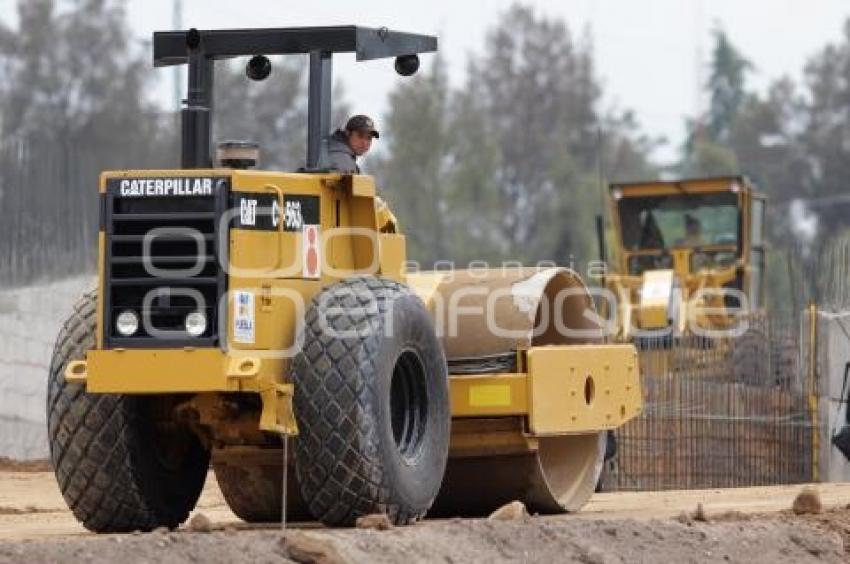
237	309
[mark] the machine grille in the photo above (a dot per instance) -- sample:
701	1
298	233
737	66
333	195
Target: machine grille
162	262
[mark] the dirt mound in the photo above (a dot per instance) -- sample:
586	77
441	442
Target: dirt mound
750	525
835	520
772	539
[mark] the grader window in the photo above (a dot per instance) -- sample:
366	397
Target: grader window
685	220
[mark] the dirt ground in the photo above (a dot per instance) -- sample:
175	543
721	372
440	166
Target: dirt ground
743	525
9	465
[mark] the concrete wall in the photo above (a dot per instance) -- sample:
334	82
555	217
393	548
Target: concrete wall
30	318
833	354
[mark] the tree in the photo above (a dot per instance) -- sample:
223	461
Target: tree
726	86
625	148
766	141
707	151
826	137
72	104
54	90
711	159
506	167
537	89
796	142
416	134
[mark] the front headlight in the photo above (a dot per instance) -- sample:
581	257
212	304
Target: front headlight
127	323
196	323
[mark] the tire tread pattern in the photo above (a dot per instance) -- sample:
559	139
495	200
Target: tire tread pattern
337	452
93	441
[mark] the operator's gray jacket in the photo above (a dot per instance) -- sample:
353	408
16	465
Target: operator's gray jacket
340	155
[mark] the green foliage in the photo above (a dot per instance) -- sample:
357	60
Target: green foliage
726	86
706	150
505	166
708	158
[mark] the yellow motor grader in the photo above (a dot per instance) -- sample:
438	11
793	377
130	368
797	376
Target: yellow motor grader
237	307
689	256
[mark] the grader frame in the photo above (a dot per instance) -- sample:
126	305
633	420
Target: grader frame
661	287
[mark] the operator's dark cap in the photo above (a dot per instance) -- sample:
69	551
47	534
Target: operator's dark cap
362	123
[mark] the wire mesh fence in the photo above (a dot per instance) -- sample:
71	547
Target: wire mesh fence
719	413
832	273
49	207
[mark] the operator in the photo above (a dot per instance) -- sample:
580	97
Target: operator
693	239
693	232
345	145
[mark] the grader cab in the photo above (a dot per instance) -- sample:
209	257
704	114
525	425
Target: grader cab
237	307
689	255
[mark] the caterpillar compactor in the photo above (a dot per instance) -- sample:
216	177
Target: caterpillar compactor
237	308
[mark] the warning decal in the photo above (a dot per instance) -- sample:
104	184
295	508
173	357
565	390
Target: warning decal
311	259
243	317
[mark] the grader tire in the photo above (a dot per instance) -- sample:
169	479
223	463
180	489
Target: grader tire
371	404
116	471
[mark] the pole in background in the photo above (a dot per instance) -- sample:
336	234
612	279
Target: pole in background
177	77
814	408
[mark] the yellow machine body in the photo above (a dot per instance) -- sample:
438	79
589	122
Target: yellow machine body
666	281
555	387
269	264
236	299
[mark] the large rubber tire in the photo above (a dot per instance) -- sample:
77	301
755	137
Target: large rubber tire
117	471
372	404
251	481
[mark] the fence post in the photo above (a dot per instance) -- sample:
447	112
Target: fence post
813	390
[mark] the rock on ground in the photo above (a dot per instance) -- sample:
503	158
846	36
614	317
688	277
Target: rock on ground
199	523
512	511
309	549
377	521
807	502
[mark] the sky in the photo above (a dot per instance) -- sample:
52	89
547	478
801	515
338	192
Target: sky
651	55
